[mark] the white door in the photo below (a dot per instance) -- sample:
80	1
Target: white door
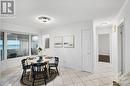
86	51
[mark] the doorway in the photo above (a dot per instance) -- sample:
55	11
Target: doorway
103	58
104	48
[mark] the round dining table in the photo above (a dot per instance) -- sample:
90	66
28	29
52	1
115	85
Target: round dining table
32	60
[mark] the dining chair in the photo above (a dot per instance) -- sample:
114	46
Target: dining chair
55	64
39	71
25	66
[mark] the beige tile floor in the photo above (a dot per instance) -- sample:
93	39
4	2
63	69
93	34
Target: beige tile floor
67	77
125	80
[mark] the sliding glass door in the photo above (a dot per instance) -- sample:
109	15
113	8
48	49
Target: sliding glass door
1	45
17	45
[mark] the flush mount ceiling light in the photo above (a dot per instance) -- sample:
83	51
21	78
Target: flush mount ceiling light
44	19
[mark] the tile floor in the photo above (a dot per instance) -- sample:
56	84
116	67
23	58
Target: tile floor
125	80
68	77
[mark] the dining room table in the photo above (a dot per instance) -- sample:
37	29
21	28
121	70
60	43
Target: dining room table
37	59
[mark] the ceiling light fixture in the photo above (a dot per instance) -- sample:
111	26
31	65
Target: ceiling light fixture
44	19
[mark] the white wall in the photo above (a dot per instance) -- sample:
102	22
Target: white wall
104	44
20	29
69	57
124	14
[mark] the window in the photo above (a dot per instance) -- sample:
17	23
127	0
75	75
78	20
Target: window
17	45
1	45
34	44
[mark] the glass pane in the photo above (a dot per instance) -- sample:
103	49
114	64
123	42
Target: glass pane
46	41
17	45
1	45
34	45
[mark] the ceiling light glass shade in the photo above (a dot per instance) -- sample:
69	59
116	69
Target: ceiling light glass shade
44	19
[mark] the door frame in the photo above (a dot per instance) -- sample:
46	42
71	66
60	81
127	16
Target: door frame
96	48
122	55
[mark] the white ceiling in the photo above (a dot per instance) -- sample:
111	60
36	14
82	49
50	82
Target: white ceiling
63	11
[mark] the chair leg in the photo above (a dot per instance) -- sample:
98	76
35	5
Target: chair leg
23	74
33	82
22	77
57	70
49	70
45	80
25	71
45	77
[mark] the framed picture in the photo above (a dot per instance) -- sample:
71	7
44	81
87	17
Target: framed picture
68	41
58	42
